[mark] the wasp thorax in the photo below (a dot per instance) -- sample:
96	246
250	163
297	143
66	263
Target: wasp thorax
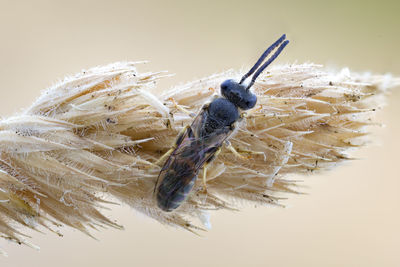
221	113
238	95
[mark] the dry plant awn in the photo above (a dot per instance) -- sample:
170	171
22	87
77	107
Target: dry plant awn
97	137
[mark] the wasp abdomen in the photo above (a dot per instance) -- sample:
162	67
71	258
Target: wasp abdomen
172	191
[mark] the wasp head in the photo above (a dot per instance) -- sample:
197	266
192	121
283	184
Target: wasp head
238	94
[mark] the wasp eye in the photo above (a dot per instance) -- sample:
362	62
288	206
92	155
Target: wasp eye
227	86
250	101
223	86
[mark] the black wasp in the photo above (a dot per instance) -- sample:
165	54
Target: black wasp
199	143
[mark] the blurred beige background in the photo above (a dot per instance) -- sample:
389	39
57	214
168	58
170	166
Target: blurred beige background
351	216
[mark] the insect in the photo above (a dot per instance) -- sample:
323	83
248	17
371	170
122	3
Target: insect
198	144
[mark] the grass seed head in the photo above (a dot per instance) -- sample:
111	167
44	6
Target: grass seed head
96	136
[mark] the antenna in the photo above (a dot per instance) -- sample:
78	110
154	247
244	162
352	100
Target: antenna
262	58
269	61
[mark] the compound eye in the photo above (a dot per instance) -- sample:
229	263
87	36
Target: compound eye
226	86
251	101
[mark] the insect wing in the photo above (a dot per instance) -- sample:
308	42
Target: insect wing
179	173
197	147
194	149
177	177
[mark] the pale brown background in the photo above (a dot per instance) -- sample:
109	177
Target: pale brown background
351	216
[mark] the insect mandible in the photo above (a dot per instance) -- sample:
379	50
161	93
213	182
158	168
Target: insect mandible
198	144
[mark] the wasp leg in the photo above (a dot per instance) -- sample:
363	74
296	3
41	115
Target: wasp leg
178	141
251	152
243	116
164	156
179	107
205	168
205	178
243	151
233	150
